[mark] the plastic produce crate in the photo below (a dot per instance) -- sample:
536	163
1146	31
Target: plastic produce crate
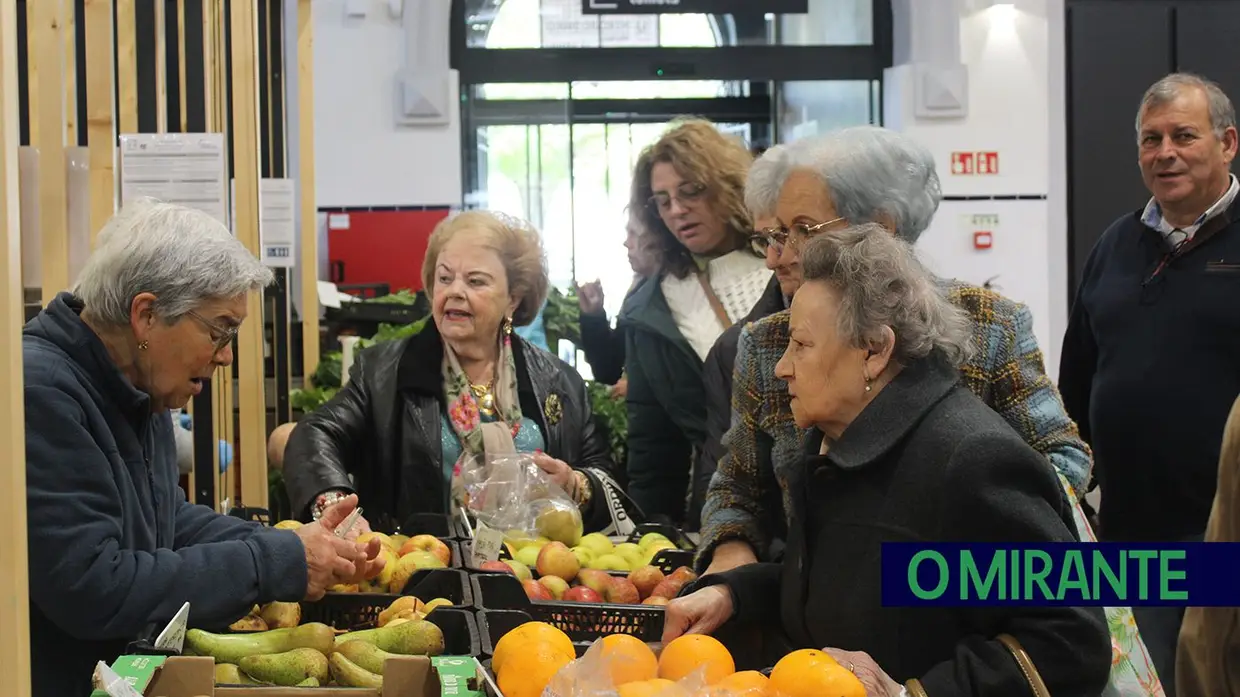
361	610
668	560
441	526
582	622
494	624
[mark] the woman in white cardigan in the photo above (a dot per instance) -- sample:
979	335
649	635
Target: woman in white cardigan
688	188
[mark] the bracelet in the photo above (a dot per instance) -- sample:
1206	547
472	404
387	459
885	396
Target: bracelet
325	500
584	491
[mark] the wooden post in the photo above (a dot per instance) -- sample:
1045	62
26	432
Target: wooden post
251	450
14	569
69	36
309	247
100	119
126	67
45	27
161	67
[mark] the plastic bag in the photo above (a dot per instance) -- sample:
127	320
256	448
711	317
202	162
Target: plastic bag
511	494
595	675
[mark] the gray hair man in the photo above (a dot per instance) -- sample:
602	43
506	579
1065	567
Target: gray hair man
848	177
114	546
1149	367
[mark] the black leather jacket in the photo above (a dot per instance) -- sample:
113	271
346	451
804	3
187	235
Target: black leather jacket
383	428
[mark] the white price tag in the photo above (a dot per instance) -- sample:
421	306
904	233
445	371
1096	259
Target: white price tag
173	636
487	544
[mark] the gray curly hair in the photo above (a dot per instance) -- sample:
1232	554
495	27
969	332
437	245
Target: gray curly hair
873	173
881	283
182	255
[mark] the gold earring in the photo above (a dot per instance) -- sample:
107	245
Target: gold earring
507	326
143	345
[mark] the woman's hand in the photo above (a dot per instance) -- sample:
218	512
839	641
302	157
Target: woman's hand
700	612
590	298
620	389
559	471
877	683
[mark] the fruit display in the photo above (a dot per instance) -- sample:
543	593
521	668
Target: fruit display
404	556
315	654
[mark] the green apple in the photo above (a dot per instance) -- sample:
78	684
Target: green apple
630	552
521	570
610	562
584	556
528	555
560	525
597	542
649	538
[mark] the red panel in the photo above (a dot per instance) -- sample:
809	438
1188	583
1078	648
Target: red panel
380	246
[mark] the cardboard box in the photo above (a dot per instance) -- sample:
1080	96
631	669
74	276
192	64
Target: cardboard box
194	676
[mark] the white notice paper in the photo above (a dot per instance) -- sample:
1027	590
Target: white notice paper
486	546
277	228
183	168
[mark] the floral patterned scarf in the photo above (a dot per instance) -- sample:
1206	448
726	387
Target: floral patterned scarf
479	437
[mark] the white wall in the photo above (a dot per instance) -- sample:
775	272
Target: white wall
362	158
1006	51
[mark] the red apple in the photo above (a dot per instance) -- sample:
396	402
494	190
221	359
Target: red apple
428	543
582	594
556	585
536	591
595	579
622	591
646	578
556	559
497	566
684	574
655	600
667	589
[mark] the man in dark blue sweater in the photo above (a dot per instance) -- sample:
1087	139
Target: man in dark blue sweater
1151	358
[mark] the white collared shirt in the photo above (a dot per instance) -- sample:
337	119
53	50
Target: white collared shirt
1153	216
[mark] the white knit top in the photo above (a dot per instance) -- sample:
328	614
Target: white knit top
738	279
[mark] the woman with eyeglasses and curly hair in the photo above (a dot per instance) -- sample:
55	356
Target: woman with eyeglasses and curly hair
689	190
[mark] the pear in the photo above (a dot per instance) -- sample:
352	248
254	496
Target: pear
403	604
231	648
366	655
230	674
281	615
349	674
249	623
560	525
288	668
309	682
415	638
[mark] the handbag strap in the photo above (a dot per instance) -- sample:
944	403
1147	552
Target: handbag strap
915	688
715	305
1026	665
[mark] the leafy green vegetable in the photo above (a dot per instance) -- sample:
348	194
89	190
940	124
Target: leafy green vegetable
613	413
562	318
400	297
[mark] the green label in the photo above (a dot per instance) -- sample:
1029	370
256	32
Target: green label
457	676
136	670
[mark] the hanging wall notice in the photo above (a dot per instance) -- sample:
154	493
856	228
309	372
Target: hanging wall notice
184	168
277	228
658	7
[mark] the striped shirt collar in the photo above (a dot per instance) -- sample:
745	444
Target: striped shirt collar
1153	218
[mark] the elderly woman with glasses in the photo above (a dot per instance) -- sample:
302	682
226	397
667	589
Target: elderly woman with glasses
851	176
896	449
689	188
114	546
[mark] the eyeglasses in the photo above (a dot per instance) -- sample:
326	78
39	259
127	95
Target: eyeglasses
220	336
776	237
684	193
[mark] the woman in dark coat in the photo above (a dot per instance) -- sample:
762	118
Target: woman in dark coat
466	385
899	451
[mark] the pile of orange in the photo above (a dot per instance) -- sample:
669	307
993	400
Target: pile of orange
812	673
527	657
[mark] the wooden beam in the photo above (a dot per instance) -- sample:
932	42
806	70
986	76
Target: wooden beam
100	114
46	69
181	69
126	66
161	67
308	262
252	447
69	35
14	569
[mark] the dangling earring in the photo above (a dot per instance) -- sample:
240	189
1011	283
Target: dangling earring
868	380
507	329
867	385
143	345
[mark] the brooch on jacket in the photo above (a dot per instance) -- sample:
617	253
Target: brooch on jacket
553	409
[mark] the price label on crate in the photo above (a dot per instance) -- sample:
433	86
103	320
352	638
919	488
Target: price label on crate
487	544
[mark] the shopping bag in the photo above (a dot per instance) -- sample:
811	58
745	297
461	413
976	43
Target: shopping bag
1132	669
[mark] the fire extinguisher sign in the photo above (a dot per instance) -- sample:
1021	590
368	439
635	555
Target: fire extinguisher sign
984	162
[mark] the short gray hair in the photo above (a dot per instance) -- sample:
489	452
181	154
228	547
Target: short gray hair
766	178
1222	113
181	255
875	172
880	283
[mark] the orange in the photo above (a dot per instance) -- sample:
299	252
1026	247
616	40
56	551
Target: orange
651	688
527	635
749	683
527	672
692	652
812	673
628	659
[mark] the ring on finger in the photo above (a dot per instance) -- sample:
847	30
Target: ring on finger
852	667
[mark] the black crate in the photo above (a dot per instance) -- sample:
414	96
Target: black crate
361	610
460	630
443	526
494	624
582	622
666	561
